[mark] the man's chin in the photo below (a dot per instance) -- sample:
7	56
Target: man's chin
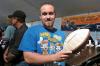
49	26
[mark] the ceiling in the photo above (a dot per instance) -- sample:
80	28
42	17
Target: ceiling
63	7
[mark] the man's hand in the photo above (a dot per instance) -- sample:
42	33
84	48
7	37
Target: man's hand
32	57
5	58
5	55
62	55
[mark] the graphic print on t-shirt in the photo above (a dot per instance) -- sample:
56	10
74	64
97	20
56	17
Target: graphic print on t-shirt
50	43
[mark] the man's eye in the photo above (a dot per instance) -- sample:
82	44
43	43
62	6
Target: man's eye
51	13
44	13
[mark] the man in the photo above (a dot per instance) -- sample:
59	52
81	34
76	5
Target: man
12	55
42	45
9	32
7	36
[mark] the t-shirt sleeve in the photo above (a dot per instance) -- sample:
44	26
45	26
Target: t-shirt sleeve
28	42
9	32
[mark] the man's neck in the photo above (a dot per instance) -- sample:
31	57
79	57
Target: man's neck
52	29
19	25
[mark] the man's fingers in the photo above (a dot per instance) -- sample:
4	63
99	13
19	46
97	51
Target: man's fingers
64	56
67	52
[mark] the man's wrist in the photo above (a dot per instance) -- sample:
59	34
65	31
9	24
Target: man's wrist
53	57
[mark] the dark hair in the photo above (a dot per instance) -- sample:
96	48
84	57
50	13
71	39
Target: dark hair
21	20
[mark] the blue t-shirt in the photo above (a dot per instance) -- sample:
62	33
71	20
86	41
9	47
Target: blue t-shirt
44	41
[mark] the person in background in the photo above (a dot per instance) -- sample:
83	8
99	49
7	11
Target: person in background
9	32
42	44
8	35
12	55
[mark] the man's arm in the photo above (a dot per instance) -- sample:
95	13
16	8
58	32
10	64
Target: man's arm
5	55
32	57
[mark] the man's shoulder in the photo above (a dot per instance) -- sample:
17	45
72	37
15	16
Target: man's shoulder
11	27
60	32
35	27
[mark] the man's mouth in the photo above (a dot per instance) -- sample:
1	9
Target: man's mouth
48	19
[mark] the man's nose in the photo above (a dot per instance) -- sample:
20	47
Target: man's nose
48	17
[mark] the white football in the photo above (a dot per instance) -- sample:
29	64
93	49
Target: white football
76	39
